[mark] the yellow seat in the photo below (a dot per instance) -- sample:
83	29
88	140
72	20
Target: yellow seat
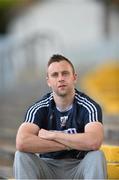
103	85
112	157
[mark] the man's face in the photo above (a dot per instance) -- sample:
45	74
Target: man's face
61	78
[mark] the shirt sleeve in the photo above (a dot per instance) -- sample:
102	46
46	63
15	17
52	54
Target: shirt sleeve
93	113
35	115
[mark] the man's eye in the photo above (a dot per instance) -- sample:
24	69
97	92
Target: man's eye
65	73
54	75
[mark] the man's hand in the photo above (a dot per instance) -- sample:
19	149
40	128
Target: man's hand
45	134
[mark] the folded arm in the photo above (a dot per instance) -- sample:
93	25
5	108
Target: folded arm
91	139
28	140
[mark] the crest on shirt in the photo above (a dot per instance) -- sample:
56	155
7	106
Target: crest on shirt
63	120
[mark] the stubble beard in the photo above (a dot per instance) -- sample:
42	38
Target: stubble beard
63	93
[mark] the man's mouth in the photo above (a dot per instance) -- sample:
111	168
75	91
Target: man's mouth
61	86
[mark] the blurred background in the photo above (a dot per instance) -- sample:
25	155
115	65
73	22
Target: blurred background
85	31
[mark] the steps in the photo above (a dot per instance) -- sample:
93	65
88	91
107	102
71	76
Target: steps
111	130
7	150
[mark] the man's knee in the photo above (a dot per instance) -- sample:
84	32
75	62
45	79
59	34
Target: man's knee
19	154
96	163
22	157
25	165
96	158
97	155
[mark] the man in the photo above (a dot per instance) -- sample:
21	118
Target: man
62	133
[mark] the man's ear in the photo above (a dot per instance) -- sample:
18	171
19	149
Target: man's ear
75	77
47	79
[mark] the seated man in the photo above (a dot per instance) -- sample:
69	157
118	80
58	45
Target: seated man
62	133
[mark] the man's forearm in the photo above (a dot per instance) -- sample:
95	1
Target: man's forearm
80	141
35	144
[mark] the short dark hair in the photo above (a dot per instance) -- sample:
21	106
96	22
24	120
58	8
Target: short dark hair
59	58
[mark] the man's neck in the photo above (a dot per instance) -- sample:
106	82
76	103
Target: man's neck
64	109
64	102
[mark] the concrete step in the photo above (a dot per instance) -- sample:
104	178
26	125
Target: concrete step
111	129
7	150
6	172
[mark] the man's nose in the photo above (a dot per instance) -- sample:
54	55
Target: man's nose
60	77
